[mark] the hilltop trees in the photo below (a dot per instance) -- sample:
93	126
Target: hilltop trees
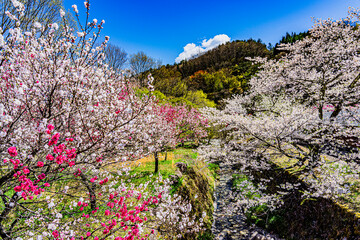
224	56
302	107
217	85
289	38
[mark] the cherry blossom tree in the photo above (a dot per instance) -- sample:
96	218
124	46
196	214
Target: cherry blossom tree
304	108
66	117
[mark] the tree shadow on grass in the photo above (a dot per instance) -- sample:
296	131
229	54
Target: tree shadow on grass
317	218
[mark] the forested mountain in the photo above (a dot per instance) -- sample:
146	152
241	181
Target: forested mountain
224	56
211	77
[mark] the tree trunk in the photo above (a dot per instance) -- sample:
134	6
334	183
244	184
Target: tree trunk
91	189
156	155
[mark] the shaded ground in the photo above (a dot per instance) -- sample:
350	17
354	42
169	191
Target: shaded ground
229	221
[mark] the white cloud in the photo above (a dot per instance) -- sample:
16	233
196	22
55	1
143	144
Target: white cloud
191	49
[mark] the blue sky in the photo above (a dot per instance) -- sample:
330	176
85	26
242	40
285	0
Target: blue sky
163	28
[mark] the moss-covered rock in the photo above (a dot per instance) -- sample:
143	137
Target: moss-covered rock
196	186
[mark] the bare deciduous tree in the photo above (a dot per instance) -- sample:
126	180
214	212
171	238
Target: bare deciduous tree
115	57
140	63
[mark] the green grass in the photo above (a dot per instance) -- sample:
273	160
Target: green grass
166	167
214	169
191	183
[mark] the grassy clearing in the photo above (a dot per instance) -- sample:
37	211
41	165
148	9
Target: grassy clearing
145	167
195	186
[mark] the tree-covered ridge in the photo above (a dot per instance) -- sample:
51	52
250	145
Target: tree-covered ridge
289	38
205	79
211	77
224	56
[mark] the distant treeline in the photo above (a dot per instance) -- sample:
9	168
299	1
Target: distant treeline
289	38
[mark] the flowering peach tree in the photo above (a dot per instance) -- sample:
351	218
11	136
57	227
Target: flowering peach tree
190	124
170	125
65	117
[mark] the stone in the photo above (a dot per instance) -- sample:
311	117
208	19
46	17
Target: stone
182	167
174	178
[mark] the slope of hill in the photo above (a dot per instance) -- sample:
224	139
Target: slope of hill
211	77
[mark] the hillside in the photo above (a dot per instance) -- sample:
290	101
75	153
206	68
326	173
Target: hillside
211	77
